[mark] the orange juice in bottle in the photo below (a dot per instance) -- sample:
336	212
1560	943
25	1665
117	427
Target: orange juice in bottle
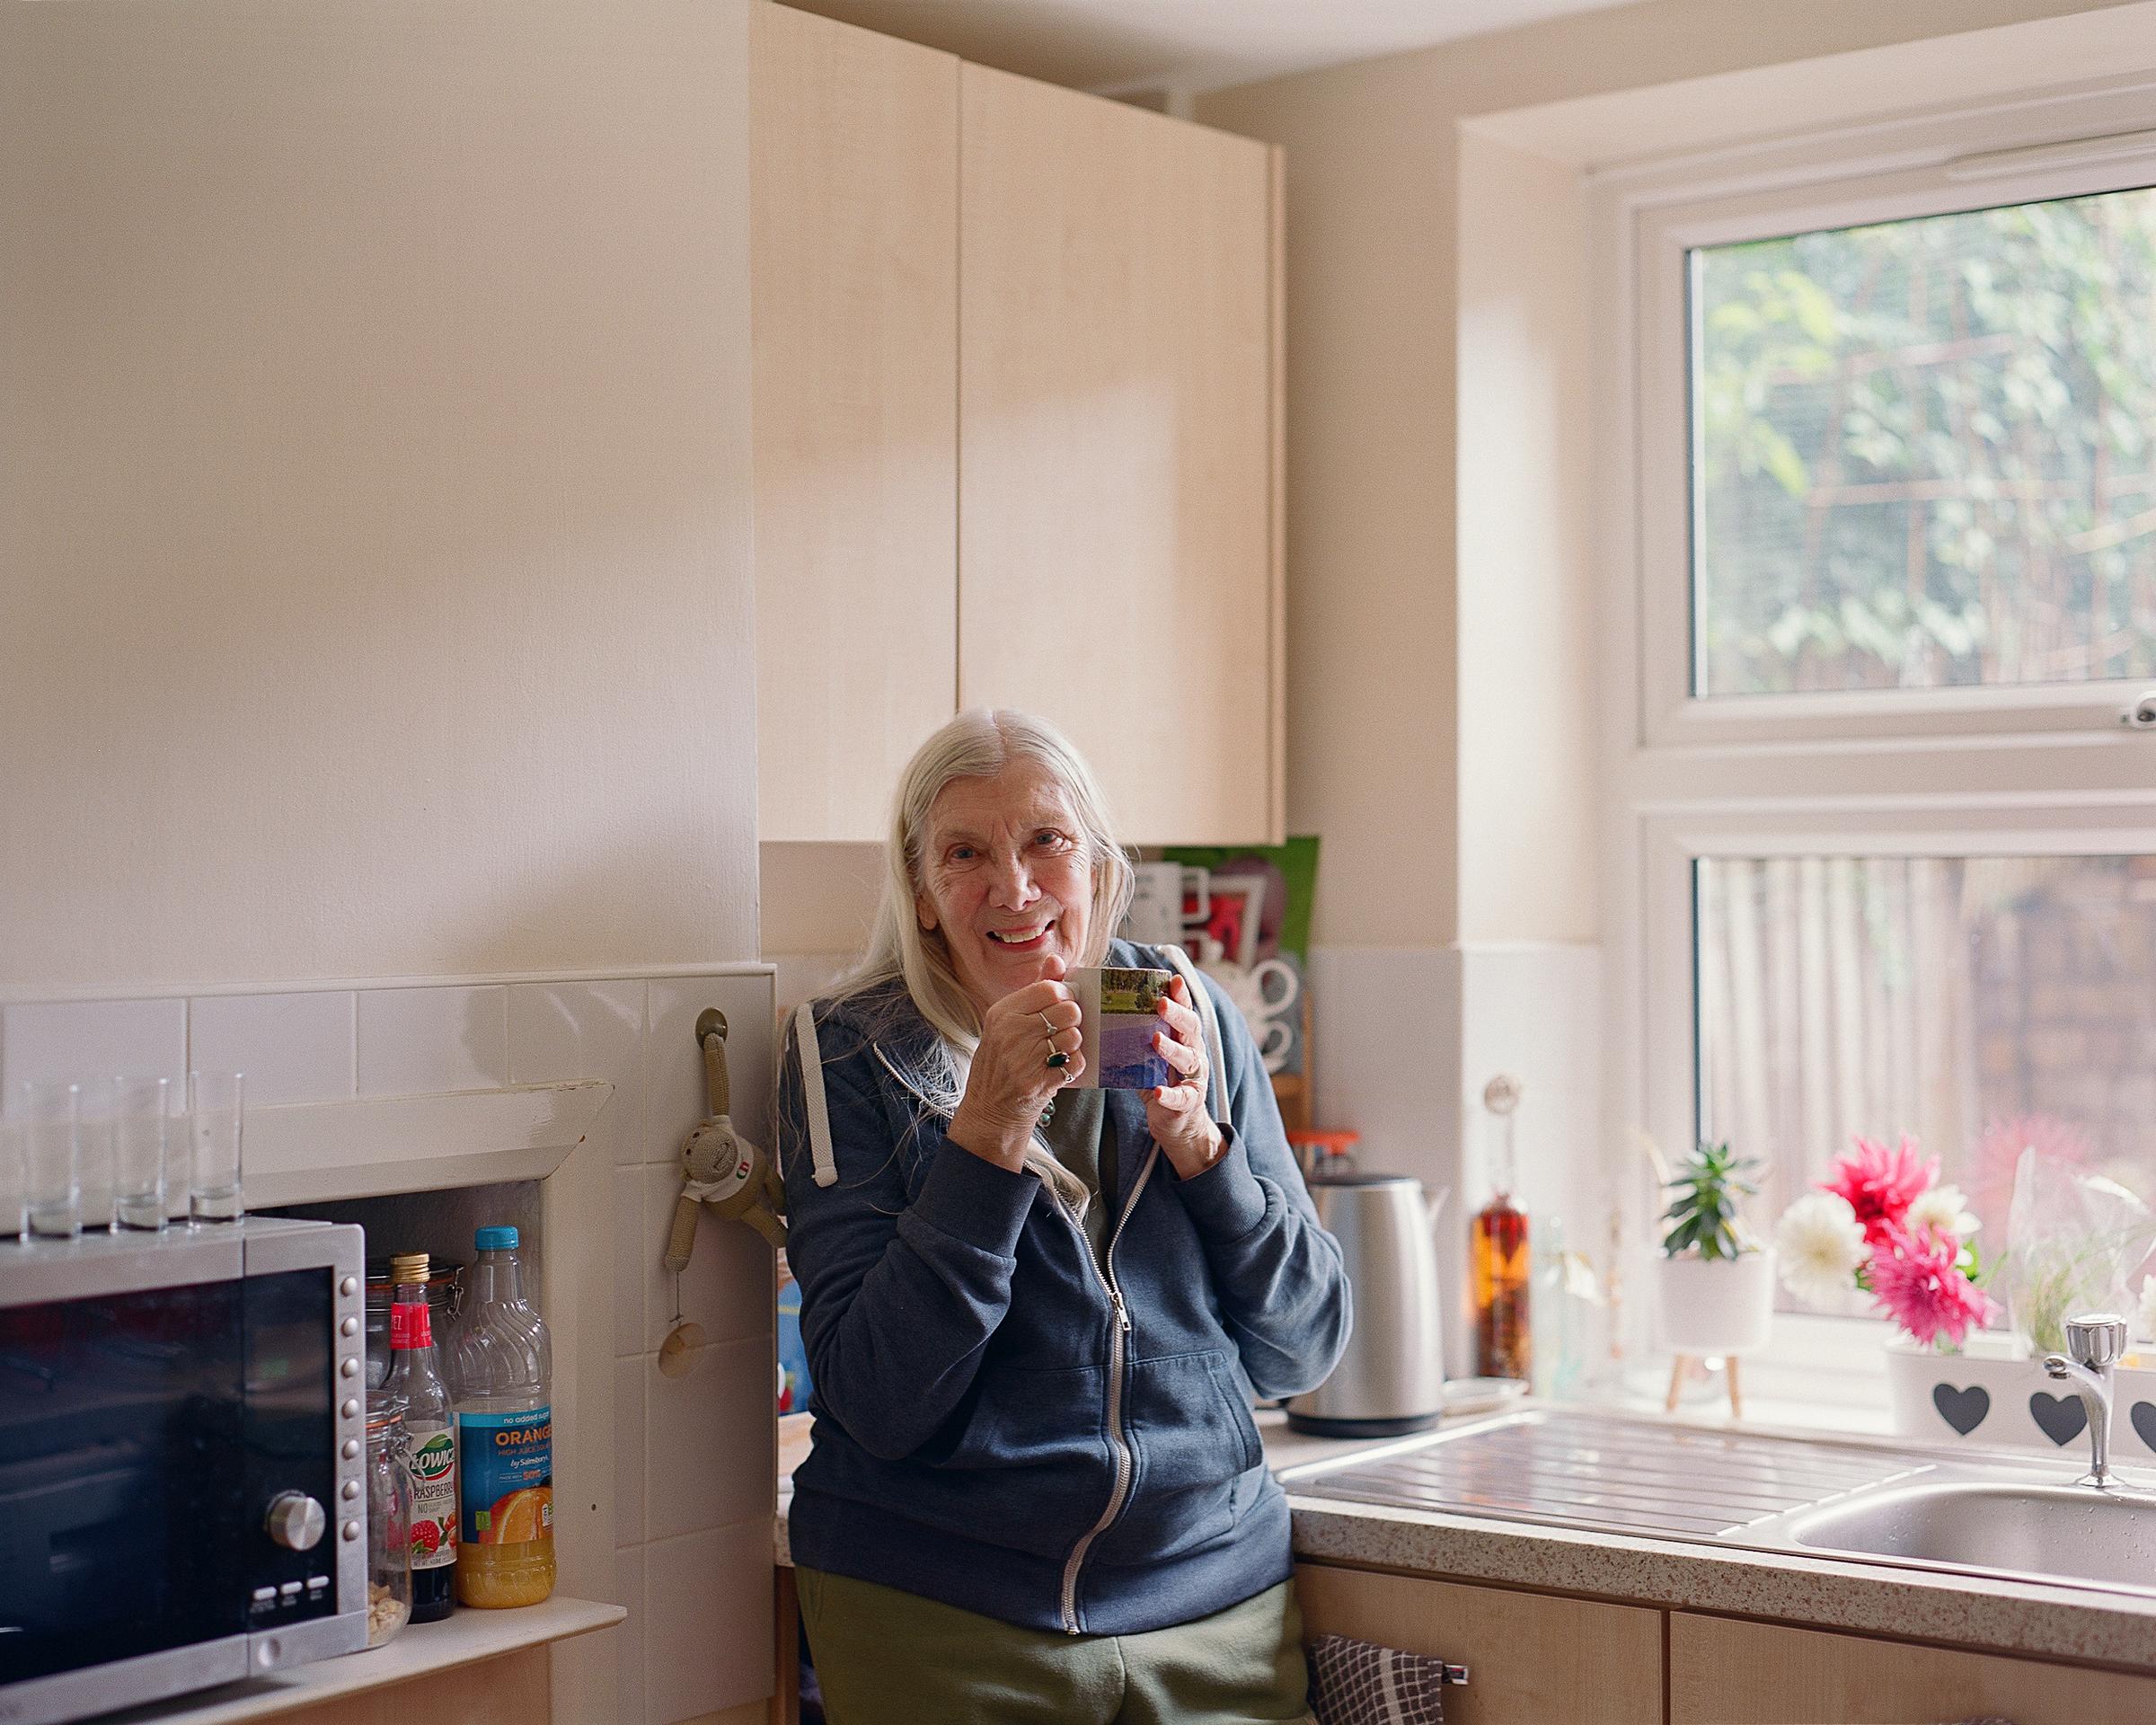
505	1433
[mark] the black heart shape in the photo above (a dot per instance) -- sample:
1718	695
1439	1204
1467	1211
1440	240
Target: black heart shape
2061	1418
2144	1415
1964	1409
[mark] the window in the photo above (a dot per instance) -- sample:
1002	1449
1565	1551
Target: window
1924	451
1881	855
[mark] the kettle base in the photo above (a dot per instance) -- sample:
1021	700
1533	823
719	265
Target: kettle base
1318	1427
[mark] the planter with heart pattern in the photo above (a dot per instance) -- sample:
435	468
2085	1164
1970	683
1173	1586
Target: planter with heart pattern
1990	1396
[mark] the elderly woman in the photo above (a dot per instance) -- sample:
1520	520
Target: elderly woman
1036	1315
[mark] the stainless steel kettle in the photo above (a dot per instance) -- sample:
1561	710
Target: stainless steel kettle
1392	1377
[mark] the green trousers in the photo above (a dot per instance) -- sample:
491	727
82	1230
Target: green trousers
884	1656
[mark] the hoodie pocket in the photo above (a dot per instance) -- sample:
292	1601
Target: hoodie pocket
1194	1438
1024	1463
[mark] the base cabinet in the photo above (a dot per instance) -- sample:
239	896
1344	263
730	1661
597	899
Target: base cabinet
1532	1659
1726	1671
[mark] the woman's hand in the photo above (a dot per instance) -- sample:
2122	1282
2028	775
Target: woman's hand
1176	1113
1012	1080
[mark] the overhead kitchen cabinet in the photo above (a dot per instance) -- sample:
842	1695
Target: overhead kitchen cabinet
1018	435
854	240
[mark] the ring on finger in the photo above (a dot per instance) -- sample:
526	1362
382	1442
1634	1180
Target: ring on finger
1045	1019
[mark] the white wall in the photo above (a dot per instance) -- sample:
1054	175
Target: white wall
374	481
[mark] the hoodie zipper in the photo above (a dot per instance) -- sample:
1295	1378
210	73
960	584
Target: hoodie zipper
1117	1334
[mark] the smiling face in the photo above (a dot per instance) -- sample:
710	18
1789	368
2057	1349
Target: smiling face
1006	876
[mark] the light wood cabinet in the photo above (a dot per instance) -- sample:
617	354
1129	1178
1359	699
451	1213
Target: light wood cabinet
1532	1659
854	270
1116	565
1727	1671
1018	416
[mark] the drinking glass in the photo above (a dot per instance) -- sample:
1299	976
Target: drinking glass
95	1102
14	1189
214	1114
51	1172
141	1134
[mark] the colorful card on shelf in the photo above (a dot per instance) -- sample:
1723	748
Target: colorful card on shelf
1121	1016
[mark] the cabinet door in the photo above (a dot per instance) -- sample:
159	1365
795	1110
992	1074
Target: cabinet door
1724	1671
1532	1659
854	237
1116	528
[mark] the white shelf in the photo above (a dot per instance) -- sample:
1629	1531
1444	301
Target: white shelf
311	1152
463	1638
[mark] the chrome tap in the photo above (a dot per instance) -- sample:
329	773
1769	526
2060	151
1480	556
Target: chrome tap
2096	1339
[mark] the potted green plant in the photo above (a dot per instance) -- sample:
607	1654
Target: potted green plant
1716	1277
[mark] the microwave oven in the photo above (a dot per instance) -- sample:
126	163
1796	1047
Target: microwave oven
182	1446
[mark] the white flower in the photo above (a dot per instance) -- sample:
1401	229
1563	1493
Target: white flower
1819	1245
1944	1210
2147	1330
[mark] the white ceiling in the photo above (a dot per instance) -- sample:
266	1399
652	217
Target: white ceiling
1184	45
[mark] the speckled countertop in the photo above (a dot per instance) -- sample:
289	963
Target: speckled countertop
2040	1620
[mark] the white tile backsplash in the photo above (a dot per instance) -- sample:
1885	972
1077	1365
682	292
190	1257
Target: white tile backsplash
423	1041
293	1048
729	1286
631	1260
630	1639
708	1602
562	1032
629	1425
72	1039
709	1447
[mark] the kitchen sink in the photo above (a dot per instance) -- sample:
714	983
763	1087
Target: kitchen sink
2106	1537
1861	1499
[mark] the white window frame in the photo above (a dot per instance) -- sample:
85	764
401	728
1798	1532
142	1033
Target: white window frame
2036	771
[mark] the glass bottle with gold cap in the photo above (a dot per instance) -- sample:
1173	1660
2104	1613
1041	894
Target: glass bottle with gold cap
415	1375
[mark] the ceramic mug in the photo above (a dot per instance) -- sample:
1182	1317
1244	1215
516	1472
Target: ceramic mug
1262	994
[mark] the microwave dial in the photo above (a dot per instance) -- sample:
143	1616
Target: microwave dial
296	1521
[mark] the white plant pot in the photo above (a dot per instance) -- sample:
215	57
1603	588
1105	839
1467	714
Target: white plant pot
1991	1396
1714	1306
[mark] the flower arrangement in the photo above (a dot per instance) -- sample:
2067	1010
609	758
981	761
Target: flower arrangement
1881	1223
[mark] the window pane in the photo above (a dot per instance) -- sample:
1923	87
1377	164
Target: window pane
1922	452
1979	1003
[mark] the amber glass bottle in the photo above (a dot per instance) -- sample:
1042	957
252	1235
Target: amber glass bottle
1503	1264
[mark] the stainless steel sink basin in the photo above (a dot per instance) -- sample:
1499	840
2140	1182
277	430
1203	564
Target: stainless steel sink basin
2014	1528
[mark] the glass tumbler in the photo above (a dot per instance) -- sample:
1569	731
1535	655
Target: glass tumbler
52	1177
215	1115
96	1109
388	1520
141	1141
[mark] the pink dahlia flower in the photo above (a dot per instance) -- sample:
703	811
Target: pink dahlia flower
1880	1184
1918	1282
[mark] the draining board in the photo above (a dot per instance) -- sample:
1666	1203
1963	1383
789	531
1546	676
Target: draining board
1604	1473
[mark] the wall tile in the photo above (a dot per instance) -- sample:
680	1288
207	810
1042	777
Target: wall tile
708	1447
674	1086
629	1638
293	1048
708	1627
728	1288
72	1039
423	1041
560	1031
630	1376
631	1268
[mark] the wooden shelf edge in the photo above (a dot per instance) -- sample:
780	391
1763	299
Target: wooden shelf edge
419	1649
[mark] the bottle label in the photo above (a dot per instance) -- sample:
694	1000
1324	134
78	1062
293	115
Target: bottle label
432	1452
508	1484
410	1326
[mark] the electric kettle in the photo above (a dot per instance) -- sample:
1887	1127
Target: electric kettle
1390	1379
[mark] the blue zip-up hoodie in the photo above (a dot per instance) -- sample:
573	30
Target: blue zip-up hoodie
990	1429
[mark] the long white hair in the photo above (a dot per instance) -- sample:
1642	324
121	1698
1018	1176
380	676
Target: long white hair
979	743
